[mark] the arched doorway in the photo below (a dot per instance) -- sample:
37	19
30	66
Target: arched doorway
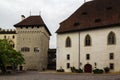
88	68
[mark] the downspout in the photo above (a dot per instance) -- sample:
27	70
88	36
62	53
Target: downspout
79	50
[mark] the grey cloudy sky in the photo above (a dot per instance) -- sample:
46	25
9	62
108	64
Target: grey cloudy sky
52	11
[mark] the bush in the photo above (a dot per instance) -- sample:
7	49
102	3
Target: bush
73	69
107	69
60	70
98	71
79	70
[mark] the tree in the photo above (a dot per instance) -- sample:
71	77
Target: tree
9	56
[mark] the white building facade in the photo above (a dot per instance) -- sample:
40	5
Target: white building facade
98	54
89	45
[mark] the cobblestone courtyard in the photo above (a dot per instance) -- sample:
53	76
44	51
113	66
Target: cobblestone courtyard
59	76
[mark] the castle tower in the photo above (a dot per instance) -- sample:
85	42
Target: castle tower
33	42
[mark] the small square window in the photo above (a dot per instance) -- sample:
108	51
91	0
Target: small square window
36	49
111	66
5	37
111	56
76	24
84	13
26	27
97	20
87	56
68	65
109	8
68	57
13	36
37	26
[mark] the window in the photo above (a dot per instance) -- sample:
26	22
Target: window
68	65
32	27
76	24
36	49
84	13
13	36
26	27
25	49
68	57
12	44
5	36
111	56
68	42
97	20
111	66
109	8
87	41
87	56
111	38
37	26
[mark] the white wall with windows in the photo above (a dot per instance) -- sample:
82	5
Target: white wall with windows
97	52
64	49
100	48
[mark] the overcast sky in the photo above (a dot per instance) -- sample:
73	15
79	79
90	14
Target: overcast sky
52	11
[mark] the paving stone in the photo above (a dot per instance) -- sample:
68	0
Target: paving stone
59	76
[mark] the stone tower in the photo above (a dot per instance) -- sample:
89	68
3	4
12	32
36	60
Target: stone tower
33	42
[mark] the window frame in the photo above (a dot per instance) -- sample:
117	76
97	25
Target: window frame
68	65
25	49
68	56
88	40
111	56
5	36
13	37
111	65
87	56
68	42
111	39
36	49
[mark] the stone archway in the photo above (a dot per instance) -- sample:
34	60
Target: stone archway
88	68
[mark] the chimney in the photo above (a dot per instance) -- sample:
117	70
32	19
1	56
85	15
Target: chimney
22	17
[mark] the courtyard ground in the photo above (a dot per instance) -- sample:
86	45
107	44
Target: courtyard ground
34	75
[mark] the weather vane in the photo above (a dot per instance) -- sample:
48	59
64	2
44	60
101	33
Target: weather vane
39	12
84	1
30	12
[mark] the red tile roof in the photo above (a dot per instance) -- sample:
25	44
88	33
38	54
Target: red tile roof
91	15
32	21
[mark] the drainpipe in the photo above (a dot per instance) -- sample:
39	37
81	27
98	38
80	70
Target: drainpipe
79	50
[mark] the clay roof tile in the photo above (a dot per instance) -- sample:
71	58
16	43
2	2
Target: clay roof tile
91	15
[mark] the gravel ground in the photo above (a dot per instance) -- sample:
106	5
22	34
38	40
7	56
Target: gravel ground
34	75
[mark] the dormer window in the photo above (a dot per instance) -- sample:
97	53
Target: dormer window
26	27
84	13
32	27
37	26
109	8
76	24
97	20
